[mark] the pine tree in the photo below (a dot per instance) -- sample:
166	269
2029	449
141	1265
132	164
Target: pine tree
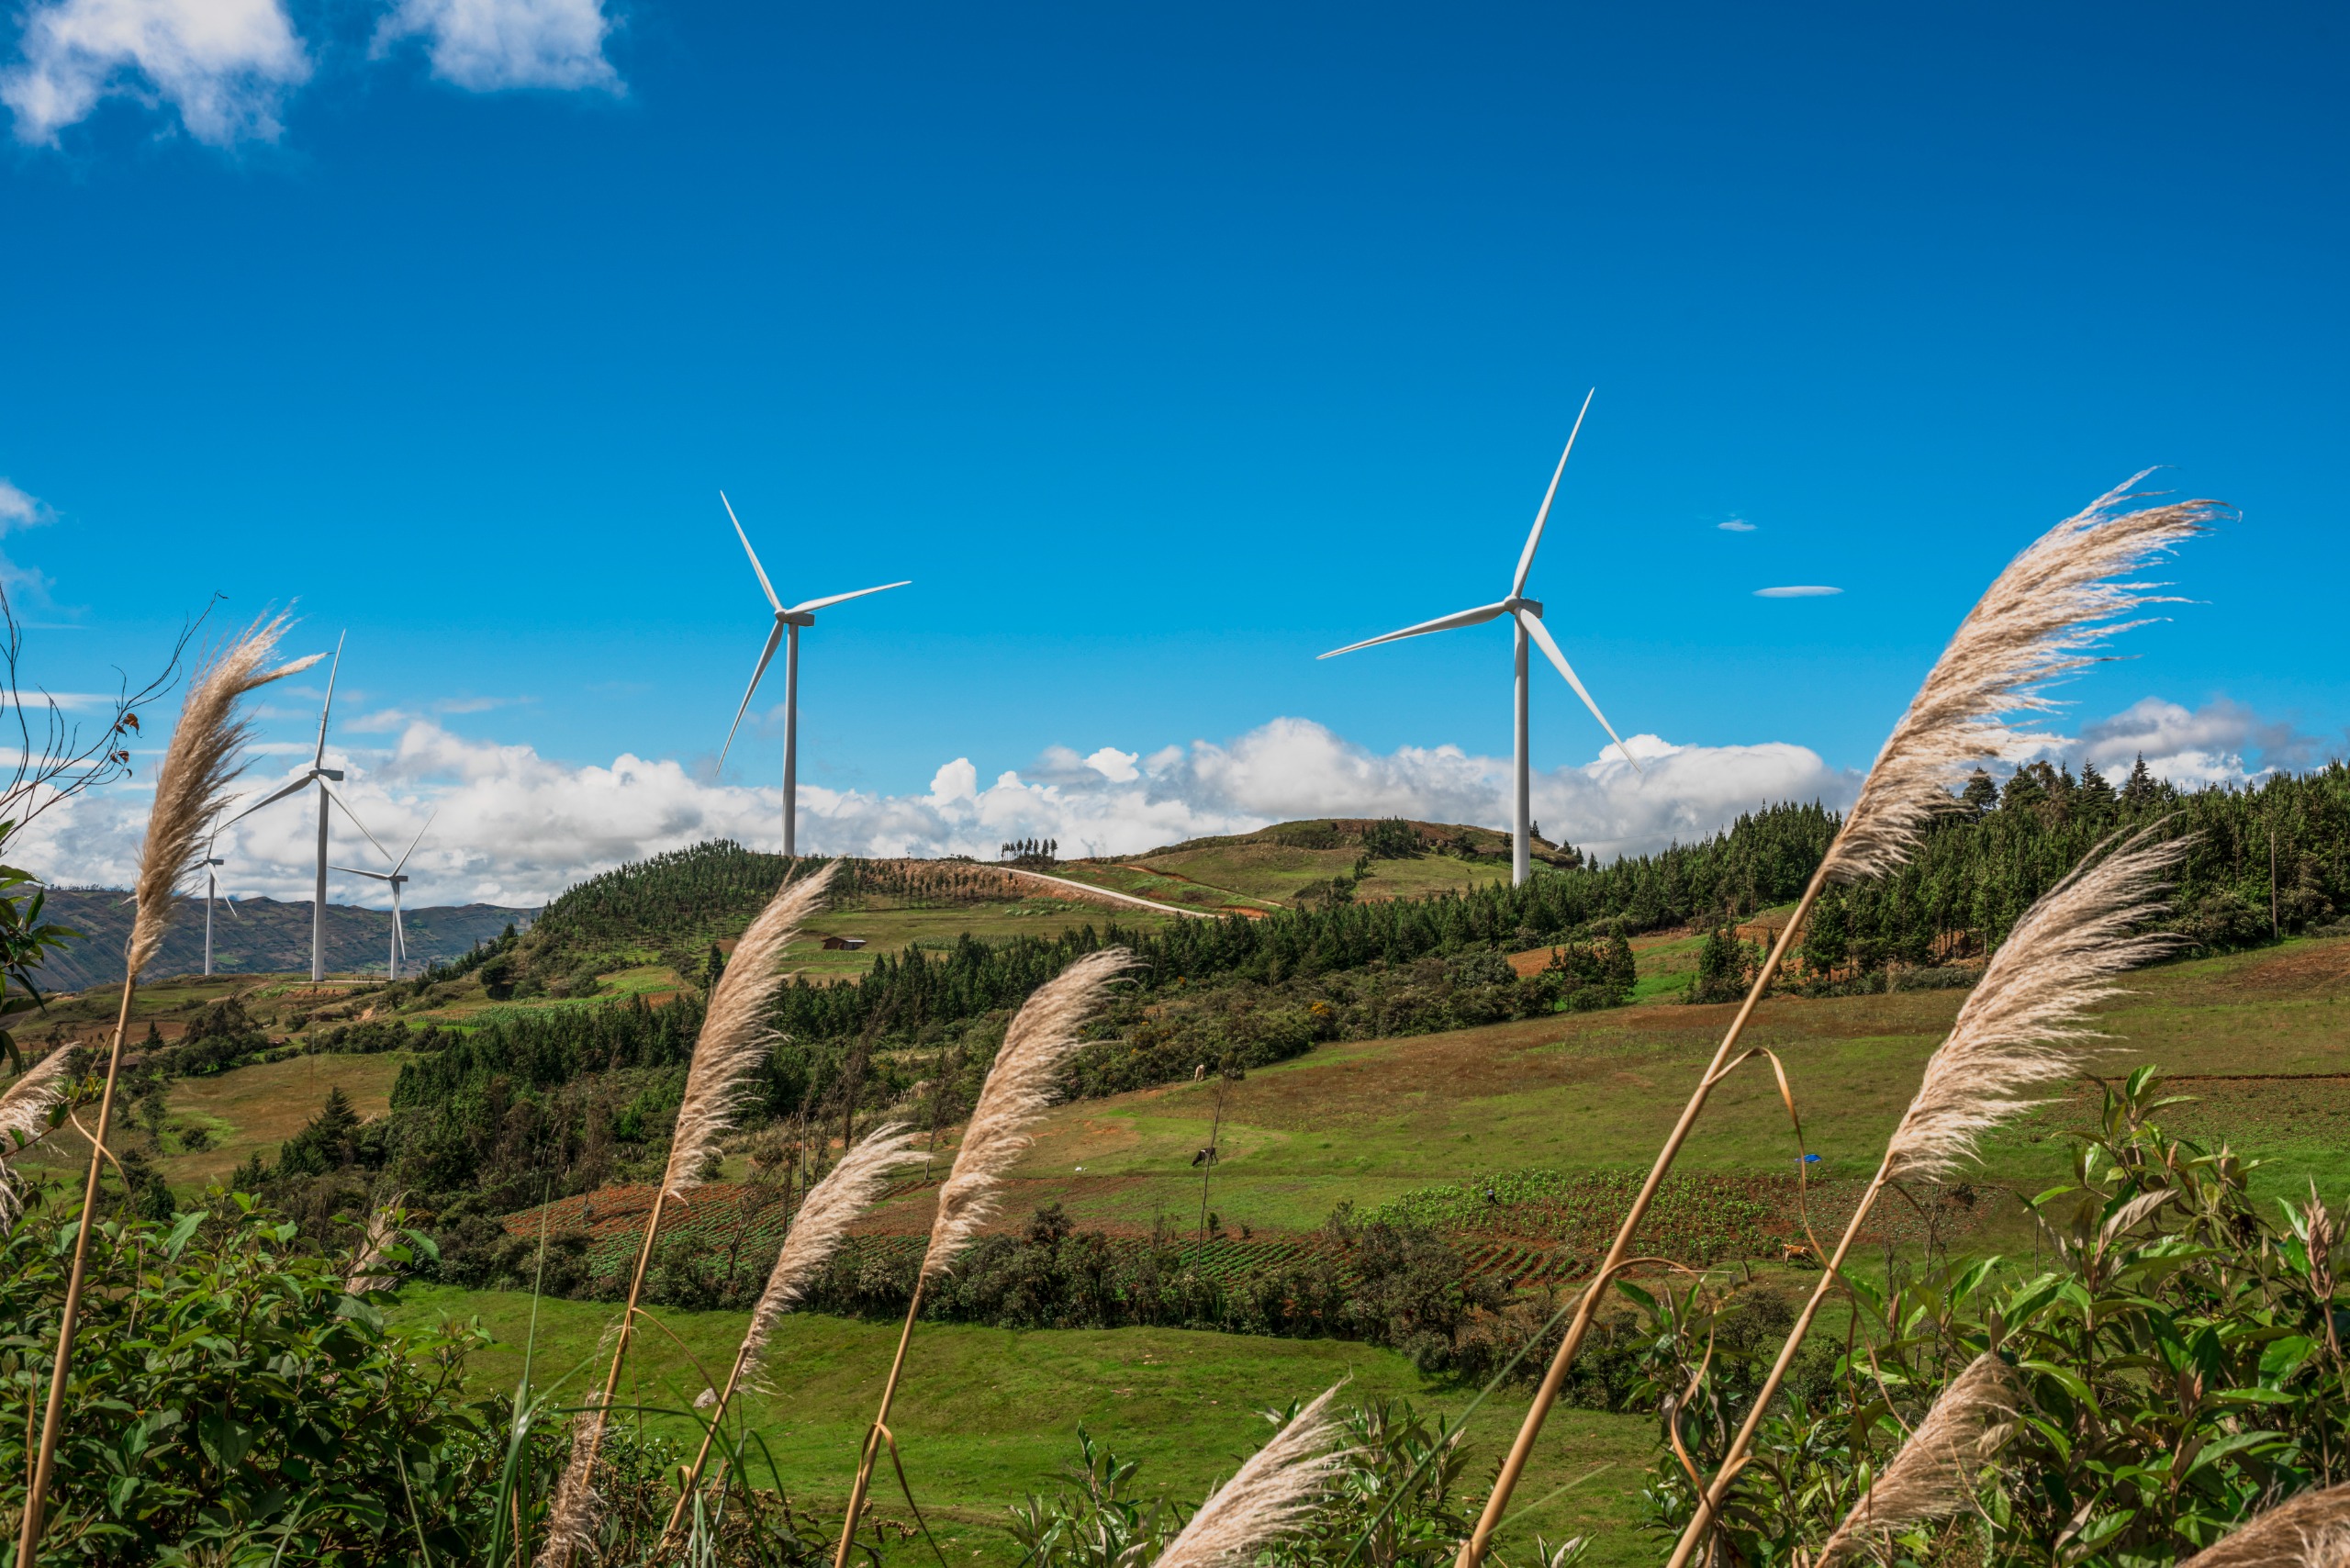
1981	794
2140	788
2097	792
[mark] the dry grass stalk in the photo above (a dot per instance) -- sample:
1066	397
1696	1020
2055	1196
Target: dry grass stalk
1934	1473
367	1271
1273	1494
24	1121
2019	1031
735	1034
855	1185
190	789
2041	619
2311	1530
1020	1087
573	1513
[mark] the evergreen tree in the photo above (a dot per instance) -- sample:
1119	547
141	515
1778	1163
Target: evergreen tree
1982	794
2140	790
1828	934
713	964
1617	969
2097	792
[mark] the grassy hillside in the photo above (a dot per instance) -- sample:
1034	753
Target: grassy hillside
259	937
1276	866
987	1415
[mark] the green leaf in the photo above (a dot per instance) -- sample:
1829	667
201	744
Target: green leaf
181	1229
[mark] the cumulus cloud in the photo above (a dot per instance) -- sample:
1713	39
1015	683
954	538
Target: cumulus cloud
511	827
1801	590
1736	525
225	65
2211	744
488	45
514	827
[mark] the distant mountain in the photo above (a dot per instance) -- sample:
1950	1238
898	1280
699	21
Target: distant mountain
260	936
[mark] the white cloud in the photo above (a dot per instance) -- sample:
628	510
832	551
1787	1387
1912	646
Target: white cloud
1736	525
487	45
513	827
1803	590
19	509
2209	745
226	66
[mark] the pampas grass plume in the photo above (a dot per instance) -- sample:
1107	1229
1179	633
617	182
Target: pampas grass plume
2021	1027
1272	1494
1935	1470
2042	620
573	1512
735	1032
855	1185
1020	1088
190	789
365	1274
2311	1530
24	1120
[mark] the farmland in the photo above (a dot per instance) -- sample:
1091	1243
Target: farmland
991	1415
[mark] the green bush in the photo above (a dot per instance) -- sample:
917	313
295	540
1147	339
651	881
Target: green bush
2179	1368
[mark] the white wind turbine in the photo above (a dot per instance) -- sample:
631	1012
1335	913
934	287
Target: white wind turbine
318	773
397	878
1526	616
788	622
211	863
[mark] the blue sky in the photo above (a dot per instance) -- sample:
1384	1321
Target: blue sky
1163	347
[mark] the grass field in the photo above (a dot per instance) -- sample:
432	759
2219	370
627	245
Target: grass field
987	1415
1366	1122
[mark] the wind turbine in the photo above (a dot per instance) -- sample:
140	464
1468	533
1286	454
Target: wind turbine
319	774
397	878
1526	617
211	862
788	622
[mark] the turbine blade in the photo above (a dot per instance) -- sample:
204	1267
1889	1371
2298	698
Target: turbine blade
774	639
766	587
1478	616
400	932
327	706
231	900
356	871
1534	540
361	826
1542	634
402	864
815	604
269	799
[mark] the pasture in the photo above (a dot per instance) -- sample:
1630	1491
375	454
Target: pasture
989	1416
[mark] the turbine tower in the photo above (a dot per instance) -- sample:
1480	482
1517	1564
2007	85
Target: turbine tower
397	878
1526	618
318	773
788	622
211	864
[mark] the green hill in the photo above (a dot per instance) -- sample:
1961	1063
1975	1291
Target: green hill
258	936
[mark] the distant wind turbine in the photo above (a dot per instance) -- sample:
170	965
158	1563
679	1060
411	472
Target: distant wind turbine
398	879
212	863
1526	616
788	622
319	774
